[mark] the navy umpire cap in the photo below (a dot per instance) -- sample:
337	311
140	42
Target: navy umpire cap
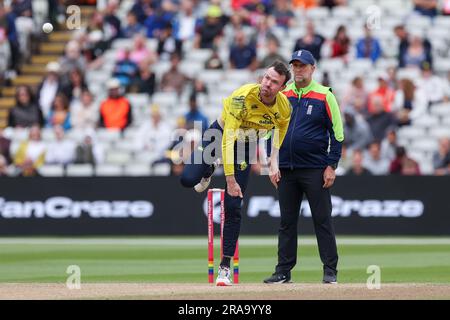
304	56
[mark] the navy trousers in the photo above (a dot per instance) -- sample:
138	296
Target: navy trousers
193	173
293	185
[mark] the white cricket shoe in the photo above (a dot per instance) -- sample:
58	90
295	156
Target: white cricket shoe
204	183
224	277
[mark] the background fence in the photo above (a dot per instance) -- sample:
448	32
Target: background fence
159	206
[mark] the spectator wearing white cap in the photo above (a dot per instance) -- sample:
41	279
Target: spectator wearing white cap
48	88
433	88
115	111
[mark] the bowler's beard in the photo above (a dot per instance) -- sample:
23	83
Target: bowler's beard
267	99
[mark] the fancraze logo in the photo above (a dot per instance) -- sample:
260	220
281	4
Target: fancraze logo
344	208
63	207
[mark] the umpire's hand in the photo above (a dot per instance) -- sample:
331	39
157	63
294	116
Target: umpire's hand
328	177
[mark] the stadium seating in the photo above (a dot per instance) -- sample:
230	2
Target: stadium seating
79	170
121	157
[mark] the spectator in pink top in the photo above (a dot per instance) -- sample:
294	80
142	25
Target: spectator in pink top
140	52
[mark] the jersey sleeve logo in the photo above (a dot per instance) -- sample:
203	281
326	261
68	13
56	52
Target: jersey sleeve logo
238	109
238	102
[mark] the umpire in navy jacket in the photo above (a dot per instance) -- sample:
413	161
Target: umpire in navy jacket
309	156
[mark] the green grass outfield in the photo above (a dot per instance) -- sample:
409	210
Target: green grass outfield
184	259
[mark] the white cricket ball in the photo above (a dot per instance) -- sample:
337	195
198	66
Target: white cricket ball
47	27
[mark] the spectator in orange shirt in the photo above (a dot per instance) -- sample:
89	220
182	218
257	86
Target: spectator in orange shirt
384	92
115	111
305	4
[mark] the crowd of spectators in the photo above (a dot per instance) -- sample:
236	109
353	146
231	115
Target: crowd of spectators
63	101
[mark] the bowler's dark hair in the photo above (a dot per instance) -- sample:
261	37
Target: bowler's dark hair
281	69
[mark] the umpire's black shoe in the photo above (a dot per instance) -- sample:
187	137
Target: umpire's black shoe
329	277
278	278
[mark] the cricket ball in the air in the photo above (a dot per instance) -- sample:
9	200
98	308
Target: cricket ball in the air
47	27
